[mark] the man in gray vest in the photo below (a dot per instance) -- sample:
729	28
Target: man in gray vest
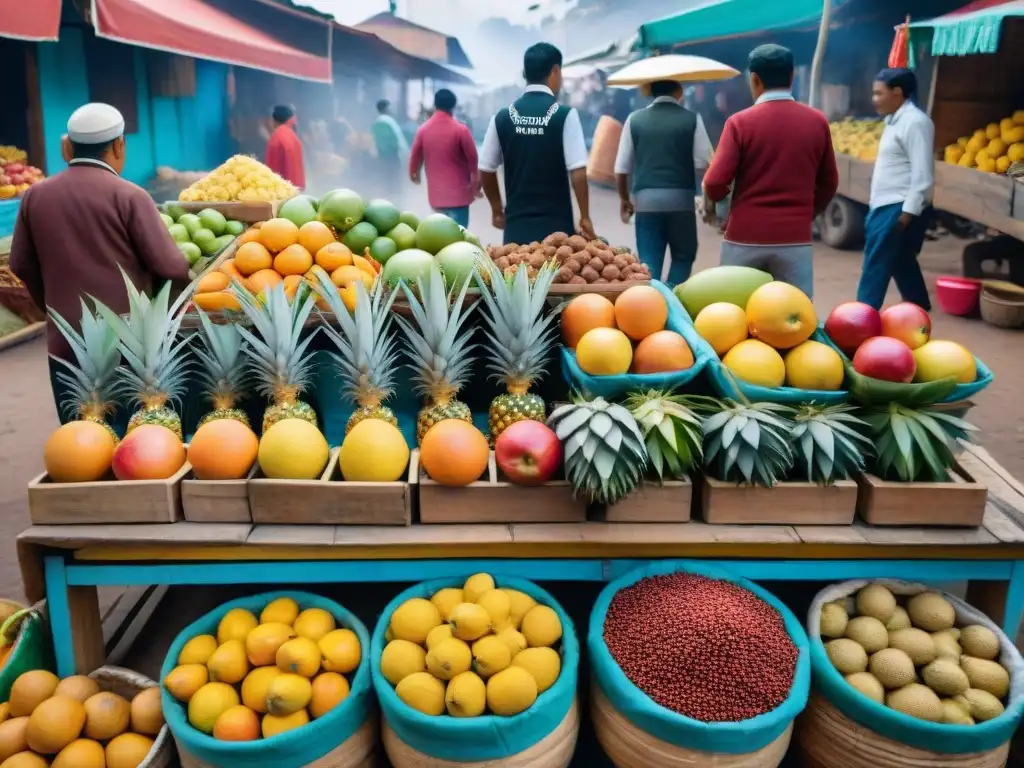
540	143
662	148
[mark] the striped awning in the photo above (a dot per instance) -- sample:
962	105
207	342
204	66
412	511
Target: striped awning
975	28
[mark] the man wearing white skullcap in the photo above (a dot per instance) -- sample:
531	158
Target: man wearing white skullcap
77	230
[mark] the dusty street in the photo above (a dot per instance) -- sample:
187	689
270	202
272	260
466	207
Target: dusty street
28	413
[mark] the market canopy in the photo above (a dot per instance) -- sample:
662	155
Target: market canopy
30	19
677	67
975	28
195	28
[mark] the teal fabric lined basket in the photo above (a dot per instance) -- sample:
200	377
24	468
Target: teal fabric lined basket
616	386
293	749
490	737
679	730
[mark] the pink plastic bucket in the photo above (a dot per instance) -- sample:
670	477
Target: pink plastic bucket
958	295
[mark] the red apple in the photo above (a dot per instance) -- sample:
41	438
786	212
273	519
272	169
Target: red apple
15	167
849	325
908	323
885	358
528	453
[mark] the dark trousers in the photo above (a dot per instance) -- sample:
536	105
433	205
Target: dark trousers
675	230
891	253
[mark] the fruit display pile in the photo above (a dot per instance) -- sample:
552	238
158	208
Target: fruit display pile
472	651
992	149
73	723
707	649
16	175
206	233
241	179
579	262
858	138
910	655
258	677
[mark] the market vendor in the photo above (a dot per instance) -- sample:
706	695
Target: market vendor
540	142
901	191
662	149
284	148
77	230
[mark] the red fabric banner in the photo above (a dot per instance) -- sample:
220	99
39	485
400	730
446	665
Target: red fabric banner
30	19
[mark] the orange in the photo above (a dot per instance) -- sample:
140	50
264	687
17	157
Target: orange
293	260
344	275
217	301
223	449
291	286
213	281
640	311
722	325
314	235
278	234
662	351
249	236
334	255
264	280
364	264
78	452
781	315
252	257
755	362
813	365
229	269
454	452
585	312
238	723
604	352
349	296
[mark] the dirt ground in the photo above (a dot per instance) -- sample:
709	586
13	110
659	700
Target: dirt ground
28	413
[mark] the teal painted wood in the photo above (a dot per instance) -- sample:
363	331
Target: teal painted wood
8	215
59	610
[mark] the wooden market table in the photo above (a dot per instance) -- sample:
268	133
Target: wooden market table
66	564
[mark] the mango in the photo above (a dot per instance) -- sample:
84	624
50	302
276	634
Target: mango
254	688
274	724
236	625
229	664
209	703
262	644
341	651
183	682
287	694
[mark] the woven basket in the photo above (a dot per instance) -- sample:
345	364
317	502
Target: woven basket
826	738
629	747
1002	308
554	751
126	683
356	752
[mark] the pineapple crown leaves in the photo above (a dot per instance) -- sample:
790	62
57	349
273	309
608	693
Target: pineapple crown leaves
747	442
915	444
277	356
367	352
94	380
829	442
440	349
221	352
605	456
672	432
520	332
149	342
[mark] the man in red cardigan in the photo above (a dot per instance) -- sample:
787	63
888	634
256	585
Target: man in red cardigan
778	161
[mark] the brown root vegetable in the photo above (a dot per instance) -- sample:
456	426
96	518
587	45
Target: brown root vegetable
534	245
610	273
577	242
596	264
555	239
606	256
502	263
573	266
563	253
549	251
620	262
589	274
564	275
515	259
582	257
537	260
594	249
577	280
631	258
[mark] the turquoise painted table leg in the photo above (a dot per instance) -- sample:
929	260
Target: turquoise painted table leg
1014	602
58	607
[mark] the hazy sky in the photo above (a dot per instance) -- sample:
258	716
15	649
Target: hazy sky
438	14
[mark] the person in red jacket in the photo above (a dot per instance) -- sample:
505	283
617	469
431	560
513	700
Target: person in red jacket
284	149
777	159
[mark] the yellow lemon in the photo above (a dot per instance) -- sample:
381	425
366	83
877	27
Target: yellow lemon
544	664
513	639
813	365
490	656
229	664
329	690
722	325
470	622
301	656
209	703
414	619
183	682
287	694
937	359
374	452
284	610
236	625
262	643
255	685
604	352
400	659
198	650
423	692
476	585
498	606
511	691
439	635
272	725
755	362
314	623
542	627
446	599
293	449
340	650
466	695
449	658
520	604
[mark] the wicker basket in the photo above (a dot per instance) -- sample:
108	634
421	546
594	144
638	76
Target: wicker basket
826	738
629	747
126	683
1002	305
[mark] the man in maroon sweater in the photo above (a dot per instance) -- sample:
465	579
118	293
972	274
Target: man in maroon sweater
778	161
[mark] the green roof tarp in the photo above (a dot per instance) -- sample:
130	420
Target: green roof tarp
975	28
728	18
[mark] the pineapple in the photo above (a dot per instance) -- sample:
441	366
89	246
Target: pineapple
223	369
282	364
521	337
93	383
672	432
157	367
747	443
367	356
828	443
605	455
915	444
440	349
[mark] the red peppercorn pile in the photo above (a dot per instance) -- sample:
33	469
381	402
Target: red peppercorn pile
707	649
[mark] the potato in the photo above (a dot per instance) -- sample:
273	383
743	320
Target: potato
549	251
620	262
577	242
596	264
564	275
606	256
563	254
577	280
502	263
610	273
594	249
573	266
589	274
537	260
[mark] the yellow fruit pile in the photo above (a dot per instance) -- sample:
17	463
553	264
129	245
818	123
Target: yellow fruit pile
768	343
472	651
858	138
909	655
992	149
72	723
11	154
242	179
262	677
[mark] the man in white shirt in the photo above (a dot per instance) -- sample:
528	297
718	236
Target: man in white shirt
901	192
540	143
662	149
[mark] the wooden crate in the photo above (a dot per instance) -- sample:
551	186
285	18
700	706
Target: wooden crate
667	502
216	501
786	504
106	501
247	213
565	292
495	500
960	502
330	500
